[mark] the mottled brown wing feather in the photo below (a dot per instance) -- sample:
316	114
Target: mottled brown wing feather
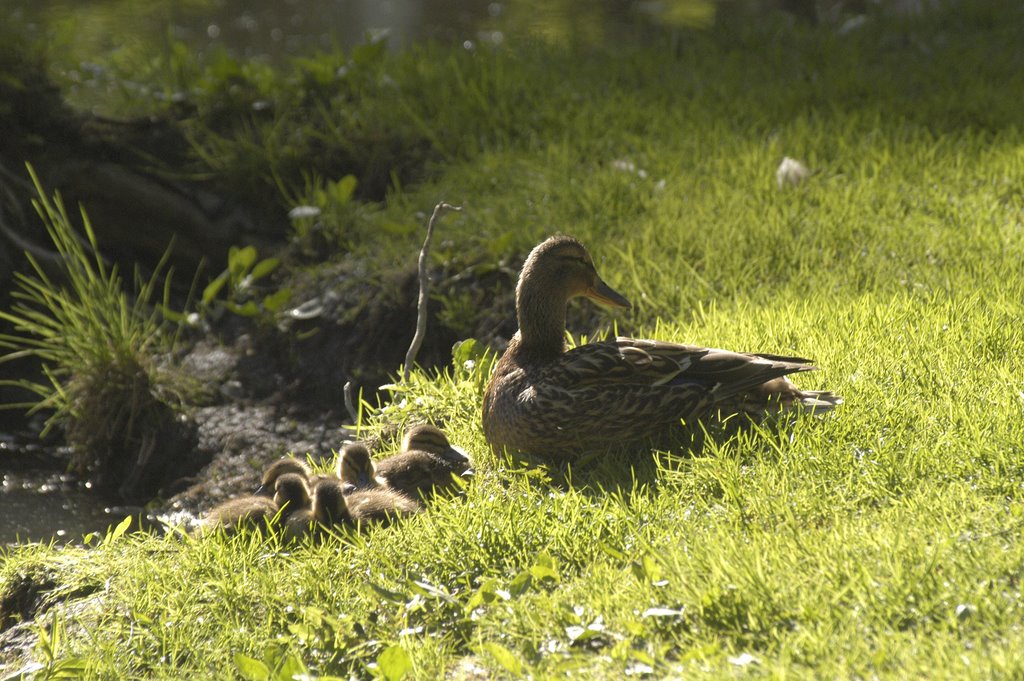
627	360
630	361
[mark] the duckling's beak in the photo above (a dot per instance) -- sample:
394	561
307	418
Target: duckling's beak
263	491
603	294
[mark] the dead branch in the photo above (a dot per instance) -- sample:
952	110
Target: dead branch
421	306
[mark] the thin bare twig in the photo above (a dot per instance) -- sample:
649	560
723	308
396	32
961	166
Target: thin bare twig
421	306
350	403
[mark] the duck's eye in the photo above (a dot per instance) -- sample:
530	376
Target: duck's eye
576	258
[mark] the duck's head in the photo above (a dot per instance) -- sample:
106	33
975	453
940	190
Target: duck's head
291	492
561	267
329	506
355	467
429	438
275	470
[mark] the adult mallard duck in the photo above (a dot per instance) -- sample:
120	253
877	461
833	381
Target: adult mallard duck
427	463
545	400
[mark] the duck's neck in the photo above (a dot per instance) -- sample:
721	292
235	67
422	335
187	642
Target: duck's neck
541	315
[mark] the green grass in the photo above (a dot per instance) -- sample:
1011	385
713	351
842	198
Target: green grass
882	540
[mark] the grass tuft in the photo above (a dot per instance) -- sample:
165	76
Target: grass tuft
97	347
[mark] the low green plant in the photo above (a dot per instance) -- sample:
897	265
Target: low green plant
236	282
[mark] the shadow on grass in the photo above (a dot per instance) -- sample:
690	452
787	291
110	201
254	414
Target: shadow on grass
621	469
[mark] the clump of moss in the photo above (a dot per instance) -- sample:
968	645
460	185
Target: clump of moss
98	347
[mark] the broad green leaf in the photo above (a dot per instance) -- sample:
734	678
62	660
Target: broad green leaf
521	583
251	669
369	52
214	287
386	594
545	568
302	631
429	590
344	188
249	309
483	595
119	531
240	260
291	667
505	657
273	302
68	668
263	268
394	663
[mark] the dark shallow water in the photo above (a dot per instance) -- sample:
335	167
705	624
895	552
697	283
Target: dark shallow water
39	502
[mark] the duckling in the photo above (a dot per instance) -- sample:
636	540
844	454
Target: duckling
427	463
327	511
355	468
379	505
242	513
545	400
330	508
255	512
339	502
284	466
291	493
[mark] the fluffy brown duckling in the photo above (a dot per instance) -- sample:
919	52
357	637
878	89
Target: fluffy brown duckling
330	508
355	468
242	513
378	505
284	466
547	400
291	494
255	512
339	501
427	463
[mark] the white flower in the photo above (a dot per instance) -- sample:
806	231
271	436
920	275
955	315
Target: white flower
303	212
743	659
791	171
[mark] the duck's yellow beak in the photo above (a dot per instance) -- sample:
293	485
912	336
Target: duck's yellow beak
603	294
